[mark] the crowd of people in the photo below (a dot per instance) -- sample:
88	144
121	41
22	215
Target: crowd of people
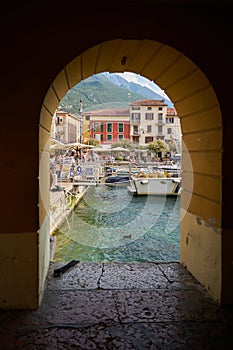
65	165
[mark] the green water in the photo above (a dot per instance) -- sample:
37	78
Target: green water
110	224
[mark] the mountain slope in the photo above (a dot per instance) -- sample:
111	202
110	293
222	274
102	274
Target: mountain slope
106	90
97	92
142	86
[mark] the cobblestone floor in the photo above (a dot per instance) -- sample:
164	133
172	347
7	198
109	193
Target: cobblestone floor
122	306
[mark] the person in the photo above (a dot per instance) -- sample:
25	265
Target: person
58	165
51	179
52	165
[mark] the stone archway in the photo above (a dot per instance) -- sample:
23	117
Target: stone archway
198	108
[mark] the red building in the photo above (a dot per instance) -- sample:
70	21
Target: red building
108	125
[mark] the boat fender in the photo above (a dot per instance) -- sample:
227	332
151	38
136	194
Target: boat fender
58	272
144	182
176	180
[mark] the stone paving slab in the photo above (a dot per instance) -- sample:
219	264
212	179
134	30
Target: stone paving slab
183	336
165	306
120	306
81	276
75	307
133	276
122	276
175	272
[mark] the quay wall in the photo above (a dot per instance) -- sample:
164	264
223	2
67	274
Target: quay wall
63	200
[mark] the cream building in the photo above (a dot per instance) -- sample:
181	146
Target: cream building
151	120
66	127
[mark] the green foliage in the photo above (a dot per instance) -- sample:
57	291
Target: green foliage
172	146
97	92
93	142
157	146
125	143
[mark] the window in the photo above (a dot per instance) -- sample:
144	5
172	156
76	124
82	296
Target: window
59	120
135	117
120	137
109	137
169	130
160	117
109	127
148	139
149	128
160	108
120	127
97	126
169	120
149	116
149	108
160	130
135	108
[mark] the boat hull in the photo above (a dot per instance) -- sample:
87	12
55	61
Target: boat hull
155	186
117	180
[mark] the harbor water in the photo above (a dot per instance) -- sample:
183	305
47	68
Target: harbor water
112	224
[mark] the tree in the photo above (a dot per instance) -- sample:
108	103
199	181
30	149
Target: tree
124	143
172	146
91	142
157	146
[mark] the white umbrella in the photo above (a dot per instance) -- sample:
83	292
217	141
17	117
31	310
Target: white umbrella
60	145
74	144
120	149
56	144
99	149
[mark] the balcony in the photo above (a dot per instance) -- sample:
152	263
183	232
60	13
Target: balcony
135	134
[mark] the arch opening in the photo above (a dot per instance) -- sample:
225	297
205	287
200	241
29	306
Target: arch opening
121	242
199	112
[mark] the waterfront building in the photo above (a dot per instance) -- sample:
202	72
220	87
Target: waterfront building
66	127
172	128
107	125
151	120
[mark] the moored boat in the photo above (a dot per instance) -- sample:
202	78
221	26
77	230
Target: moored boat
117	180
155	184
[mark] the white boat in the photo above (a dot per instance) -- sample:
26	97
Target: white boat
158	185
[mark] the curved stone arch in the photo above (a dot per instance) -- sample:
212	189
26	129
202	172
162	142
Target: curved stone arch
198	108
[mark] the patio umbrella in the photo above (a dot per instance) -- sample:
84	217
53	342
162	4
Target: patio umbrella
65	146
99	149
120	149
74	144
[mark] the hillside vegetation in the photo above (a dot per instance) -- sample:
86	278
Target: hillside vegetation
97	92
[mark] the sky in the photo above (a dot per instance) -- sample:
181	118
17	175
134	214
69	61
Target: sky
139	79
